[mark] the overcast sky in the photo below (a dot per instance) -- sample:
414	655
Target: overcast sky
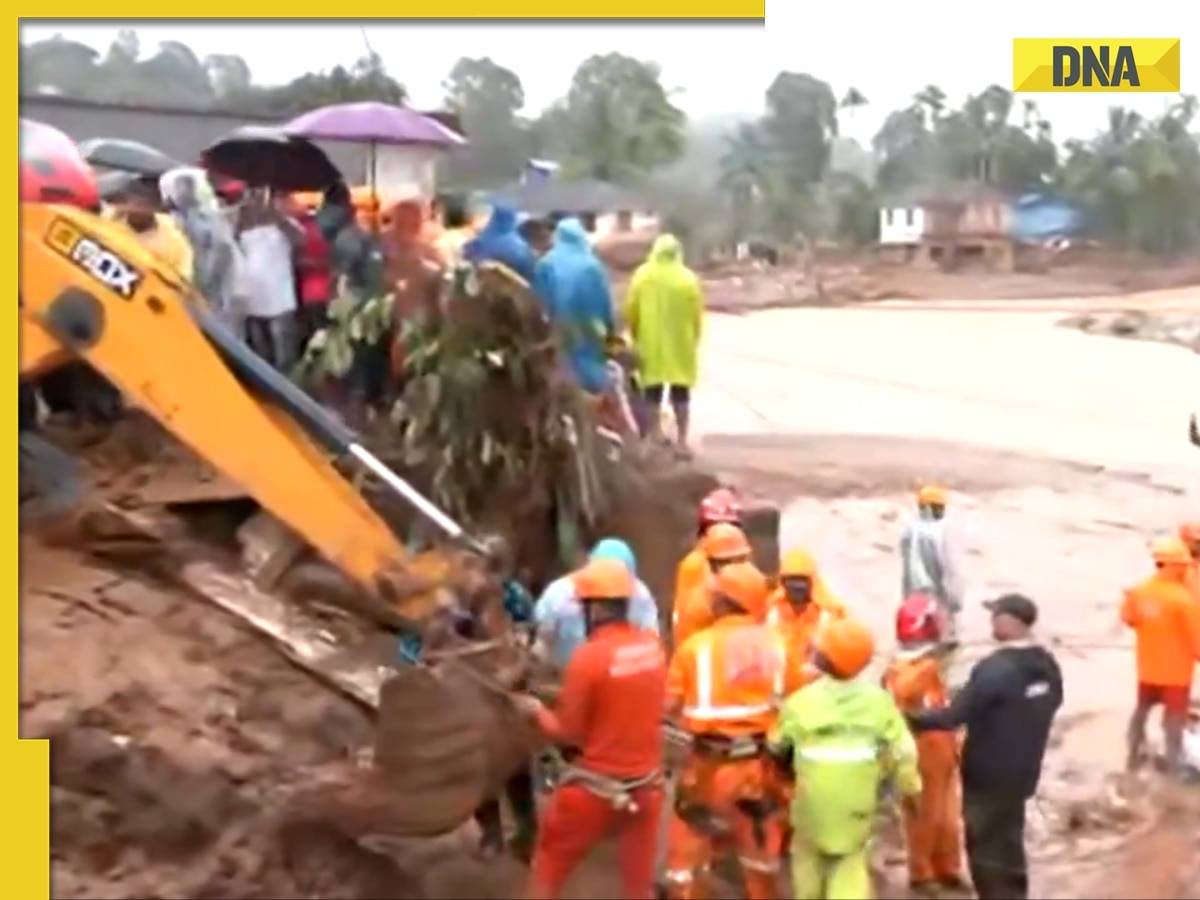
887	50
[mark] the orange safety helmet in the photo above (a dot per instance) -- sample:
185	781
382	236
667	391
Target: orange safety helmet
721	505
847	646
931	495
1171	551
724	541
796	563
745	585
1189	532
603	579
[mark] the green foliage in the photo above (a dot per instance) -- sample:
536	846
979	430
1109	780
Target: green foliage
487	98
774	170
488	419
925	144
1140	179
618	119
353	323
174	75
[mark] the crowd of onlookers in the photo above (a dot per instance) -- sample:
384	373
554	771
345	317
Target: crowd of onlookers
270	264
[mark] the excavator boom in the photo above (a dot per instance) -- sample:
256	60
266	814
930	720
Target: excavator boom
89	290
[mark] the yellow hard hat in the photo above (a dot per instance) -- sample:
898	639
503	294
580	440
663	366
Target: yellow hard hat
797	562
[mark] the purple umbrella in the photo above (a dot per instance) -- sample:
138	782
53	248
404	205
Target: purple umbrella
373	123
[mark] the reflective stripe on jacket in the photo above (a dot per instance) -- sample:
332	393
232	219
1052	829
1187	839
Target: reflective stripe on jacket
729	677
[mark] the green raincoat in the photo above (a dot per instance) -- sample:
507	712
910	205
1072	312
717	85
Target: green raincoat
845	738
664	309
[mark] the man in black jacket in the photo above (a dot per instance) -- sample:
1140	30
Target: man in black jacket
1007	706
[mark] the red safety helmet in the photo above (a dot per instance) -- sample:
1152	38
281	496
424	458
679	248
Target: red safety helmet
721	505
52	170
918	619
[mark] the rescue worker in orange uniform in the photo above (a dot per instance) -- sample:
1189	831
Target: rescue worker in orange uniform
1189	533
723	544
718	507
797	607
1164	613
725	683
610	710
913	678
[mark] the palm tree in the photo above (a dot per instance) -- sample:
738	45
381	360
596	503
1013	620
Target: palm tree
853	100
933	98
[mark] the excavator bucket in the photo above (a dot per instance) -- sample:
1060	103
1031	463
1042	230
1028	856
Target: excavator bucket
447	740
445	744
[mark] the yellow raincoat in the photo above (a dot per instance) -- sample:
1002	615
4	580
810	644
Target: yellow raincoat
664	310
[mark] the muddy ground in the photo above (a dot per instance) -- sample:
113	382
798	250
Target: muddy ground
860	278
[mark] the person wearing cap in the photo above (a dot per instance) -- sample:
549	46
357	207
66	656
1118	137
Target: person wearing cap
723	687
723	544
927	564
840	737
559	614
1164	613
1007	707
914	679
610	710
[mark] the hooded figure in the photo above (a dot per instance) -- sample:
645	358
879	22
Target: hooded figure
215	254
572	283
412	264
559	614
500	242
664	309
931	560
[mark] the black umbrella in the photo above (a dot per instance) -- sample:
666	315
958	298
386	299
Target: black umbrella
127	156
267	157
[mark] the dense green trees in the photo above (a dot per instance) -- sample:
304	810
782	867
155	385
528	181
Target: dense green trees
785	173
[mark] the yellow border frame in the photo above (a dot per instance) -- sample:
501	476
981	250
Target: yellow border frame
25	764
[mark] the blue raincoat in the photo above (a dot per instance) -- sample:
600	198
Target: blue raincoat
500	242
572	283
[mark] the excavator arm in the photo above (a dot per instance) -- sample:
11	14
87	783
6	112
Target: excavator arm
90	291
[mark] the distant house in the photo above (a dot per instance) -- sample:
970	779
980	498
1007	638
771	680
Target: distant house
1040	217
901	224
605	209
947	225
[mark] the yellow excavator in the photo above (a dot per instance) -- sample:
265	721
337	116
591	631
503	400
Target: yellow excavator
90	292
